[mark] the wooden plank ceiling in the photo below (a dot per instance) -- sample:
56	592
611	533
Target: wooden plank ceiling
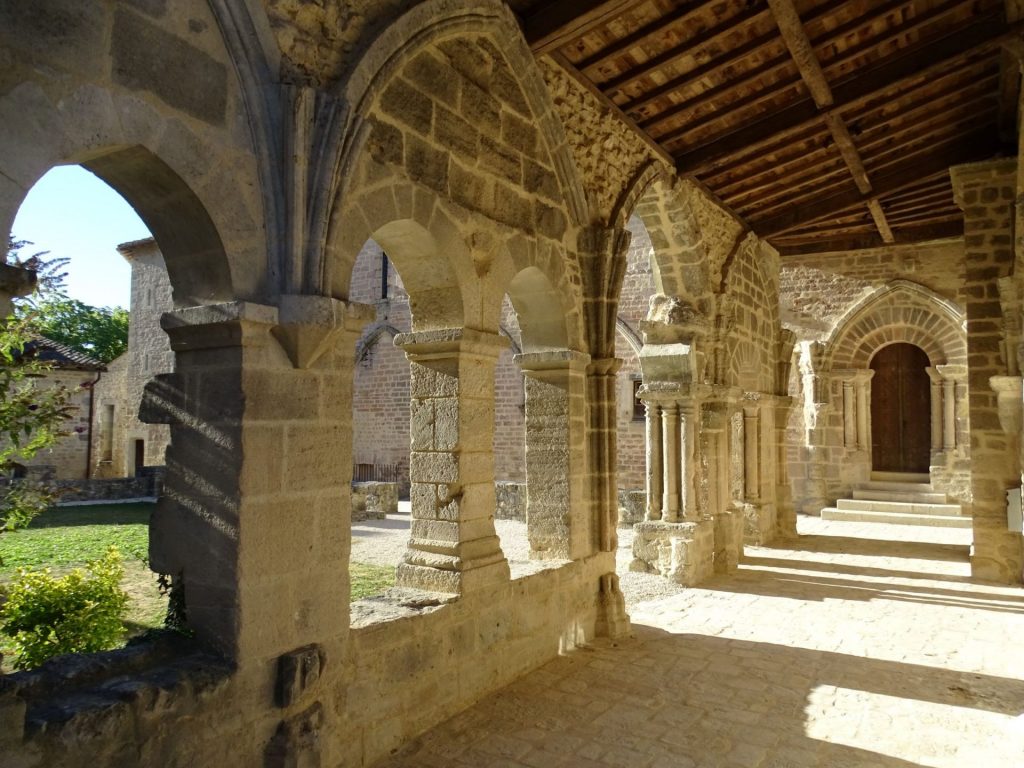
823	124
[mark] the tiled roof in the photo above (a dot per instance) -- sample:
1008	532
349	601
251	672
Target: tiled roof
62	356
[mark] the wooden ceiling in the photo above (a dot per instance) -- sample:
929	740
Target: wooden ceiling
823	124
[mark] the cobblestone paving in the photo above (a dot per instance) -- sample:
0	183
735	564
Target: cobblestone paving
856	645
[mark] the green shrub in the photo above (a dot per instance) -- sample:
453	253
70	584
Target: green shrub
80	612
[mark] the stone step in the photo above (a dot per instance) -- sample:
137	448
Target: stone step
902	477
899	507
912	497
883	485
859	516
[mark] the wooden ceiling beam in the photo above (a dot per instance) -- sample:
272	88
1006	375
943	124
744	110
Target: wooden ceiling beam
561	22
907	236
1009	95
689	48
800	48
943	133
973	148
880	221
656	28
919	63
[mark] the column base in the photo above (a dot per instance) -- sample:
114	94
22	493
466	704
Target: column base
436	569
728	540
759	523
681	552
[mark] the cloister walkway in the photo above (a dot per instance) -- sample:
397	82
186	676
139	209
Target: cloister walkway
856	645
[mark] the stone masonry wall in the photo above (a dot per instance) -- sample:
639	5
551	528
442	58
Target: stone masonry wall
148	354
68	459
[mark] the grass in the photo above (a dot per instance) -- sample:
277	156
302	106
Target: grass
369	580
67	537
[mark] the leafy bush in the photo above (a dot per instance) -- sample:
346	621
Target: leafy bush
80	612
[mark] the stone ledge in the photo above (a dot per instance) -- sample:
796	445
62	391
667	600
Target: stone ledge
681	552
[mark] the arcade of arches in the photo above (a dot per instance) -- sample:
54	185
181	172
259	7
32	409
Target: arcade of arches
500	163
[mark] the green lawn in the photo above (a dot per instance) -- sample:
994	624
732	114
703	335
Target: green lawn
66	537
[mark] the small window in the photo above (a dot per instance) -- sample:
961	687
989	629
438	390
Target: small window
639	410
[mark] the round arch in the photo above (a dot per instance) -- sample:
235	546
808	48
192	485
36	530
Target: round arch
900	312
157	170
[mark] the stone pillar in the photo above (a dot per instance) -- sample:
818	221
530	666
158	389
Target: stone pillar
690	426
986	193
862	385
602	254
728	521
680	548
602	449
849	417
948	414
670	453
254	518
555	510
453	547
751	454
936	408
785	512
654	460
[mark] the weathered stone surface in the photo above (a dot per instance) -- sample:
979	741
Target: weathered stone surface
183	76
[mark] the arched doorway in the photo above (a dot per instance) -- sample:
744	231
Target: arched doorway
900	410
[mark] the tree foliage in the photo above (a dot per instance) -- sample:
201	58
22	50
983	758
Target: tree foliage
32	417
100	332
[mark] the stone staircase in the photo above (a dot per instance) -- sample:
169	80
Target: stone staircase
900	499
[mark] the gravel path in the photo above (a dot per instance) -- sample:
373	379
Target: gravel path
383	542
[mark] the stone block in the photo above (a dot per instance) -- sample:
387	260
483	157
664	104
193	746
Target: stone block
681	552
373	500
297	672
632	506
511	501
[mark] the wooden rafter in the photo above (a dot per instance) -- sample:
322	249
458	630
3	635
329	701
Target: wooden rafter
881	223
909	235
559	23
919	63
910	171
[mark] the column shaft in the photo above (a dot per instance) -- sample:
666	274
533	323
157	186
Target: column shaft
949	414
670	454
751	450
655	482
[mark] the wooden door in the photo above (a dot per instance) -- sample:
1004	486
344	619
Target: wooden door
900	410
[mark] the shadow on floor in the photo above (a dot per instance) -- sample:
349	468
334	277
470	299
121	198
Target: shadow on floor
749	580
852	545
664	699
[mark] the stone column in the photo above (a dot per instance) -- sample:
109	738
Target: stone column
602	255
670	455
557	525
849	417
728	521
257	500
948	414
689	425
654	460
936	408
453	547
751	454
986	193
862	385
785	513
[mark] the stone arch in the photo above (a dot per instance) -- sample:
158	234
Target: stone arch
901	311
181	223
631	337
439	20
372	337
423	243
535	275
680	261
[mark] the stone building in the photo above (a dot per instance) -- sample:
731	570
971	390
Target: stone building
497	150
69	457
121	444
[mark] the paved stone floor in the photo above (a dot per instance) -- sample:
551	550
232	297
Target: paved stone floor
857	644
